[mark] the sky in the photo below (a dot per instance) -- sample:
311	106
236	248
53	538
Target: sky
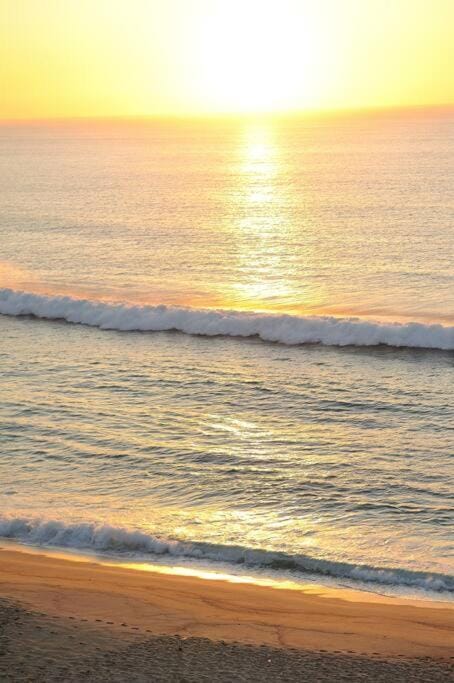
71	58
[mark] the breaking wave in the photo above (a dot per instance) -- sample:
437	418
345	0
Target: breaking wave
124	542
286	329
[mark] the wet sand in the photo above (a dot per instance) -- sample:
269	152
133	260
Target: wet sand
79	621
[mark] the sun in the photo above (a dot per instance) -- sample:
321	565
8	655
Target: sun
256	56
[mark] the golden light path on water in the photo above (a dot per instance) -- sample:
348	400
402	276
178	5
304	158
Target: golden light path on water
262	232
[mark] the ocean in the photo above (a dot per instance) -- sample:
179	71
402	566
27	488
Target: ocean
230	344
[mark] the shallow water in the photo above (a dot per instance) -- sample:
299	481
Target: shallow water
300	457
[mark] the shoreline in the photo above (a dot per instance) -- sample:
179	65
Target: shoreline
139	549
320	584
311	616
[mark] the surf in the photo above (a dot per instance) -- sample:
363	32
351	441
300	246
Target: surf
269	327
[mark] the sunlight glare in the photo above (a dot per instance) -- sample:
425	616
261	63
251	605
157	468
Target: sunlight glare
256	57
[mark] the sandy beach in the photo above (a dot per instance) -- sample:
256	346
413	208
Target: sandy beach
62	619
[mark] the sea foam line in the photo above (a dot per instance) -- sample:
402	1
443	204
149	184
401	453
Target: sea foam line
286	329
133	543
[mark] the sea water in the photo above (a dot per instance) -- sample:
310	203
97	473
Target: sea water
232	341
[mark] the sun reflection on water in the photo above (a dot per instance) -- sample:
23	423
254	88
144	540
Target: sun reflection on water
264	226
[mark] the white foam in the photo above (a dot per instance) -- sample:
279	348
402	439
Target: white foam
133	543
286	329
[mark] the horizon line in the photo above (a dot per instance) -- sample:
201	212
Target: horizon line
303	113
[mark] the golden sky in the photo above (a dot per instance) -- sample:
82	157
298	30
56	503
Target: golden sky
66	58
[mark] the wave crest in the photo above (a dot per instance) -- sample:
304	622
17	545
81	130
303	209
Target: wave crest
285	329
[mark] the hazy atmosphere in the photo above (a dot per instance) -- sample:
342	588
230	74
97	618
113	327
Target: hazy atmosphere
145	57
226	341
